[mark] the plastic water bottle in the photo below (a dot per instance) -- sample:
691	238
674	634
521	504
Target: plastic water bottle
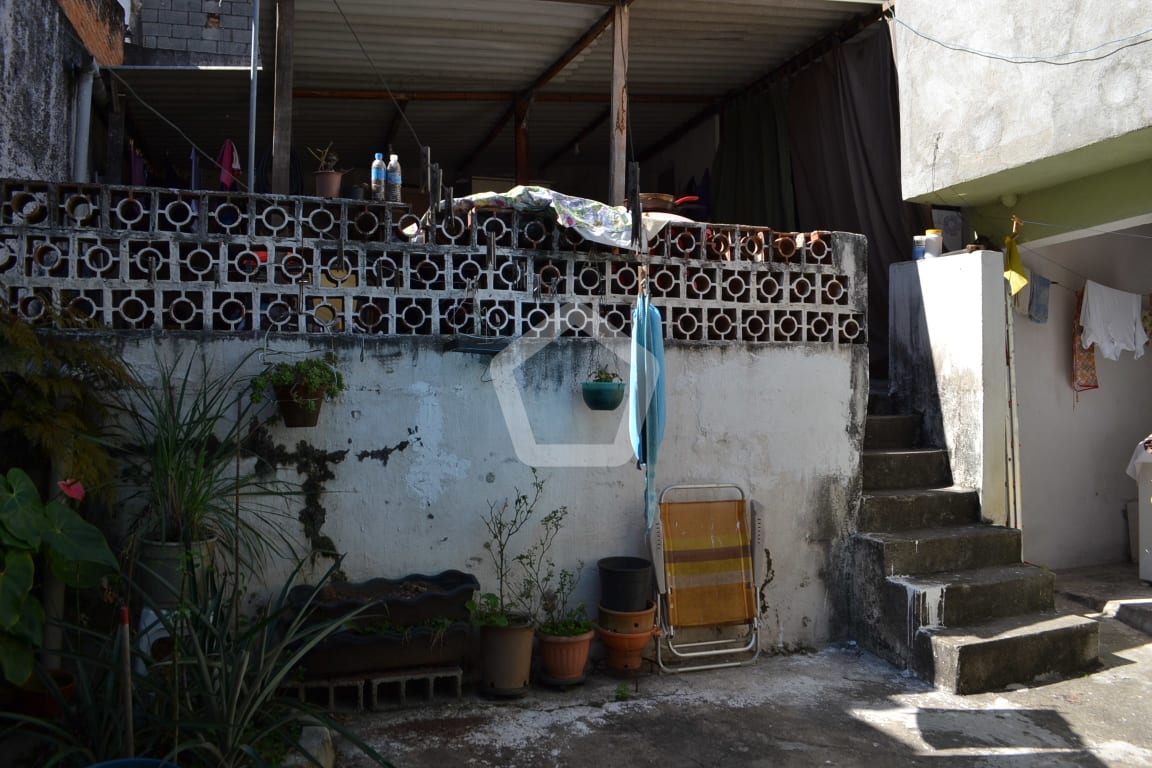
933	243
918	247
379	171
393	180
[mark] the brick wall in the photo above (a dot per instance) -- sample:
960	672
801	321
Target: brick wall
100	24
206	29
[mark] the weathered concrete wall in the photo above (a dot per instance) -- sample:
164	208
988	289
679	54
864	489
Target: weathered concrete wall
947	362
38	56
1075	448
965	117
419	445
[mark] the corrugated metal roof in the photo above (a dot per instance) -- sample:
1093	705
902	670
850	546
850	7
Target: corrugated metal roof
691	51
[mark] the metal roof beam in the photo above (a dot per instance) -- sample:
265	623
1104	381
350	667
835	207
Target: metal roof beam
543	79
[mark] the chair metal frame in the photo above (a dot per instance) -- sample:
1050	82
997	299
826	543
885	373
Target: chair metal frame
707	651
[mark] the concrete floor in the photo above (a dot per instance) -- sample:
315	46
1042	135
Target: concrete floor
839	706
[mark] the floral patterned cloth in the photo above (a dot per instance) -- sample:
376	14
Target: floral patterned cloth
1083	360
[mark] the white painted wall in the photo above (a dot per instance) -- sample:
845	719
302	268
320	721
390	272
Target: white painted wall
964	117
783	421
1076	448
946	346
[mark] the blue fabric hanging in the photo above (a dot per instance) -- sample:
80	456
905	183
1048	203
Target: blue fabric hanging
646	400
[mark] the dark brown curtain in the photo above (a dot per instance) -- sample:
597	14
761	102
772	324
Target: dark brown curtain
843	123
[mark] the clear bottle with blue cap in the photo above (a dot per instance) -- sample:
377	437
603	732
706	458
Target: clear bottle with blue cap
379	176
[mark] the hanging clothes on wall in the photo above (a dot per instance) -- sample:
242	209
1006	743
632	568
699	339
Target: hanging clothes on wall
1112	321
229	161
1038	297
1083	358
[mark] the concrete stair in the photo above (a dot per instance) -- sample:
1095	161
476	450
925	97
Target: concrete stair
941	593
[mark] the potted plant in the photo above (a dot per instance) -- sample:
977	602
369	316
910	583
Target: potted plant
185	443
328	179
34	533
604	390
564	630
300	388
503	617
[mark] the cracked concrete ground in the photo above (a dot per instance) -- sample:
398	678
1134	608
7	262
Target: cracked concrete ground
839	706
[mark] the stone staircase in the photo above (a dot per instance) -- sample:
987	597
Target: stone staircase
941	593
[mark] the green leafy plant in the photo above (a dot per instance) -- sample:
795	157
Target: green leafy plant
182	442
326	159
547	592
55	385
603	376
622	693
503	521
51	533
302	381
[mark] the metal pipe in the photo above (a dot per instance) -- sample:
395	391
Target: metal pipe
83	124
254	67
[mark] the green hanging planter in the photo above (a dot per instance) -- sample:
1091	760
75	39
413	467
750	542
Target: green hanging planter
603	395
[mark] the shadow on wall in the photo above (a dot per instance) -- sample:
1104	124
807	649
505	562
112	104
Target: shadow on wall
911	368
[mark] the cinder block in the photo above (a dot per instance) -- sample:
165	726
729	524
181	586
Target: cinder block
174	17
202	46
155	30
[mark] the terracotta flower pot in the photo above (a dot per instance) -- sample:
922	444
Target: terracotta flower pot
625	652
328	183
562	659
299	408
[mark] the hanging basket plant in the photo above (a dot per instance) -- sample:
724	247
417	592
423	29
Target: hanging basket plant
300	388
604	391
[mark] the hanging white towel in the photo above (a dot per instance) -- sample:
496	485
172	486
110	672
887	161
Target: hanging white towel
1111	320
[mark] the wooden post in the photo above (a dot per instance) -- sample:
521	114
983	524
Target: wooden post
618	147
282	107
523	159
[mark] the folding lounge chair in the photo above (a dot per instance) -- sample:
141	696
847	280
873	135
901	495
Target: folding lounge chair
703	547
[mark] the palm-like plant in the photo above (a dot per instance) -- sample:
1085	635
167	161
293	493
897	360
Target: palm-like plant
185	442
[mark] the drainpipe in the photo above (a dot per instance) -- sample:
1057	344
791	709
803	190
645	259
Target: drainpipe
82	126
254	64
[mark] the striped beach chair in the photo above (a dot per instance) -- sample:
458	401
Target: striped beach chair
703	547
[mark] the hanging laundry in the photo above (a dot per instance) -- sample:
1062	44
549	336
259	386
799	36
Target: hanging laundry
1023	297
1083	358
229	161
1038	297
1111	320
137	168
1015	273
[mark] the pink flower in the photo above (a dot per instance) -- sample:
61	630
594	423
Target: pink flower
73	489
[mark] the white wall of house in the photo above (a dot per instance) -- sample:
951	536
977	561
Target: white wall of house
784	421
1075	448
966	117
946	341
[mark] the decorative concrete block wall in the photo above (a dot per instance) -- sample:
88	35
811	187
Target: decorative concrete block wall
766	364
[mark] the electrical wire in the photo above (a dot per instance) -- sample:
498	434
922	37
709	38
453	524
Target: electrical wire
210	158
1128	42
379	76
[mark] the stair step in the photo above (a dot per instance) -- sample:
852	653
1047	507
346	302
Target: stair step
967	597
886	470
938	550
1019	649
891	431
904	509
